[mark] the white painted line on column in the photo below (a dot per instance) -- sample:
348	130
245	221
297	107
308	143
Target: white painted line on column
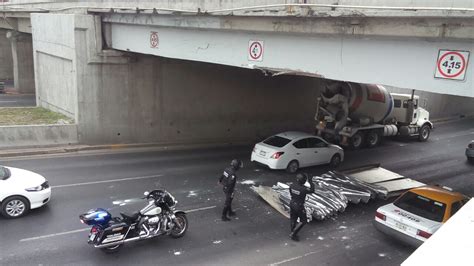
57	234
106	181
292	259
87	229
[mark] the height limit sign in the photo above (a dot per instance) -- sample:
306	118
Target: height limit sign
451	64
255	51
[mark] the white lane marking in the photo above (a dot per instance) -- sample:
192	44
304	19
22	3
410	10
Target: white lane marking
57	234
87	229
8	101
294	258
106	181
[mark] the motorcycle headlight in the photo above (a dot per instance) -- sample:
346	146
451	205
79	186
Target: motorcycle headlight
33	189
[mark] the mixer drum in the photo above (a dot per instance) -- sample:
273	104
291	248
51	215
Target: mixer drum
363	101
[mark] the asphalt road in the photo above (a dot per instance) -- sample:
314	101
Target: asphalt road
258	236
17	100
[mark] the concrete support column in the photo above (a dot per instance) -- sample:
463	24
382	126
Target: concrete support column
23	68
6	60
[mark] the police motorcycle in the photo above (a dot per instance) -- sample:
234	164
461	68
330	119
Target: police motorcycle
158	217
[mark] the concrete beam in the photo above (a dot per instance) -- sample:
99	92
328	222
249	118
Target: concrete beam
383	8
396	61
6	59
413	27
22	53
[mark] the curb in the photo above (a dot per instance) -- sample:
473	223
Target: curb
452	118
157	146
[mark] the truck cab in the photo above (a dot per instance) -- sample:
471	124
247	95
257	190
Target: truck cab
407	110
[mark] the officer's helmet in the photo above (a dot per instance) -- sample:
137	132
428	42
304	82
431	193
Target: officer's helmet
301	178
237	164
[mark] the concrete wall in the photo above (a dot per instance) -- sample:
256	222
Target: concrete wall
54	53
442	105
6	60
15	136
162	100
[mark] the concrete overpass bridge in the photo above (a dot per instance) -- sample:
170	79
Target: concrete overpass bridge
138	71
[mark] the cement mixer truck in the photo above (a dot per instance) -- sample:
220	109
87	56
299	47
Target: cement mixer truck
360	115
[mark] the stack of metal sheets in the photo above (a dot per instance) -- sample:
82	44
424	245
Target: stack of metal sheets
333	191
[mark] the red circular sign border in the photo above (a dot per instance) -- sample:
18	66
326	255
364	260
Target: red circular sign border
261	50
460	71
154	33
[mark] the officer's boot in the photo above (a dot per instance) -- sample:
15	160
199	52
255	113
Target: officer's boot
292	225
294	233
224	214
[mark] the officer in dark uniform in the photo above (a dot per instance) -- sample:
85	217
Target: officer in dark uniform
228	180
298	196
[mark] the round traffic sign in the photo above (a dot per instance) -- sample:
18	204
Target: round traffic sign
154	39
255	50
451	64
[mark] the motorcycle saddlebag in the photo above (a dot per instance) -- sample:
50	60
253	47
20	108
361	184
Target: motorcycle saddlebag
114	232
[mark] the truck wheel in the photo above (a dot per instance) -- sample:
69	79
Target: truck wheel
424	133
357	141
292	167
373	139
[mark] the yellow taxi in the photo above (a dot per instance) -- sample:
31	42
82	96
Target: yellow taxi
418	213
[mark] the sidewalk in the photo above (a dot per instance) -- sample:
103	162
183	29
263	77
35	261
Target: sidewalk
40	150
43	150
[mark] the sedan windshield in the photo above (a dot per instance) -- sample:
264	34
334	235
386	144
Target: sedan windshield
276	141
421	206
4	173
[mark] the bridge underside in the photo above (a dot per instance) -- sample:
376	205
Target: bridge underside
401	53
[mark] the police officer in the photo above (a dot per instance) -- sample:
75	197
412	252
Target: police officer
228	180
298	196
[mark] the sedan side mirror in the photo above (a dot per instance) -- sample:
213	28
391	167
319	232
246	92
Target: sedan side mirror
146	193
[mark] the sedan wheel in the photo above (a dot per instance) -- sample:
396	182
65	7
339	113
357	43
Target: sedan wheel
292	167
15	207
335	160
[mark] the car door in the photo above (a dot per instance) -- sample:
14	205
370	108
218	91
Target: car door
301	151
320	151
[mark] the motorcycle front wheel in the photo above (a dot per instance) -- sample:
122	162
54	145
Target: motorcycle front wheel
112	249
180	226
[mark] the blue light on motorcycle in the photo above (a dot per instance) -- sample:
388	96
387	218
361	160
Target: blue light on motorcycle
101	216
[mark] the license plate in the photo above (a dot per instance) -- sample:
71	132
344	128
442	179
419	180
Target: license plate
91	237
401	226
263	153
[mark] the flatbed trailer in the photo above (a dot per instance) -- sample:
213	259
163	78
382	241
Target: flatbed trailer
335	189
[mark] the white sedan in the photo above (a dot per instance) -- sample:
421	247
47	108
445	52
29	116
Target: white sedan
292	150
21	190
